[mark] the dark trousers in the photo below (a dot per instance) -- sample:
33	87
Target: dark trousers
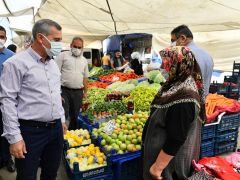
4	145
72	104
44	146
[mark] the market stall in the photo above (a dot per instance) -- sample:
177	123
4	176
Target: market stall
112	121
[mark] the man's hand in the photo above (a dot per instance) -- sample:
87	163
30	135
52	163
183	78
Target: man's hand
63	100
156	171
18	149
65	128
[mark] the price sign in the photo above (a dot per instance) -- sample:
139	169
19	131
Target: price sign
110	126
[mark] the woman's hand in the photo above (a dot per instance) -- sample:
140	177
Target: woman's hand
156	171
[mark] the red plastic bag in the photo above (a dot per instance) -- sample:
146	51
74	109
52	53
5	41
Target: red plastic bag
220	168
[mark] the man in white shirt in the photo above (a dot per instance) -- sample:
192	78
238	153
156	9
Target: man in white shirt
74	79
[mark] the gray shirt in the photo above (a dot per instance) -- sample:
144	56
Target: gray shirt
205	62
30	90
73	69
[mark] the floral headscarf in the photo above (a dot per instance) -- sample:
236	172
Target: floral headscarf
185	78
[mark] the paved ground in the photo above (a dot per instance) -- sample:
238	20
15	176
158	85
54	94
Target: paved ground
5	175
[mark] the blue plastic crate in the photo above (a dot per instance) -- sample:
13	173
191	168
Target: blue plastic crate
225	147
233	89
113	156
207	148
75	174
142	79
229	135
128	168
208	131
229	122
104	177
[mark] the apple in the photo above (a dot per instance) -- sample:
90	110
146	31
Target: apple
134	136
109	148
114	136
139	139
129	137
135	131
131	132
103	142
130	147
113	141
138	147
134	141
125	131
115	146
123	146
108	139
120	152
127	142
123	126
138	134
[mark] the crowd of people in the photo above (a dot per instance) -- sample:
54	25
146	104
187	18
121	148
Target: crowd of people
38	94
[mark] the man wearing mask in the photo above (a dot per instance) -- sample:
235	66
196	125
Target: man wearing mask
117	61
182	36
30	95
74	79
5	156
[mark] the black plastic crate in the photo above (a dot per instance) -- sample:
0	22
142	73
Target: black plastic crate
236	65
207	148
234	89
208	131
229	135
128	168
225	147
229	122
219	88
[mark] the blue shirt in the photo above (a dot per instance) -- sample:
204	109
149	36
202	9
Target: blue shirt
4	55
206	65
30	90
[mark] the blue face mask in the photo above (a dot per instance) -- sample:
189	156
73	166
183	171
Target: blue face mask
55	48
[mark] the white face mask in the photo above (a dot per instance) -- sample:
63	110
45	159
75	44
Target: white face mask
2	42
174	43
55	48
76	52
164	73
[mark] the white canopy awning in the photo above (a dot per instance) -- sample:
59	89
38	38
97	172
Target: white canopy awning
215	23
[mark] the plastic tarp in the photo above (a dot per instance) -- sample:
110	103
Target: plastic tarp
215	23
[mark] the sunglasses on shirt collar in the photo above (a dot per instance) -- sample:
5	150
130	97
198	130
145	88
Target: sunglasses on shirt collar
78	47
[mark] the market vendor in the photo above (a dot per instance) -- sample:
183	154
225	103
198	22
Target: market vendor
106	61
136	64
74	79
117	60
171	136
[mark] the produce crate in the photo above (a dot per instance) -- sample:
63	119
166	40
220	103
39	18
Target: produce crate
208	131
128	168
207	148
231	79
219	88
142	79
75	174
103	177
228	122
113	153
229	135
233	89
225	147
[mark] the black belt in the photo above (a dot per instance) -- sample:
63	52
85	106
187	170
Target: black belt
70	89
31	123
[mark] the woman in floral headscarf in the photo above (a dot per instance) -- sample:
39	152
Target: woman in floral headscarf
171	137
